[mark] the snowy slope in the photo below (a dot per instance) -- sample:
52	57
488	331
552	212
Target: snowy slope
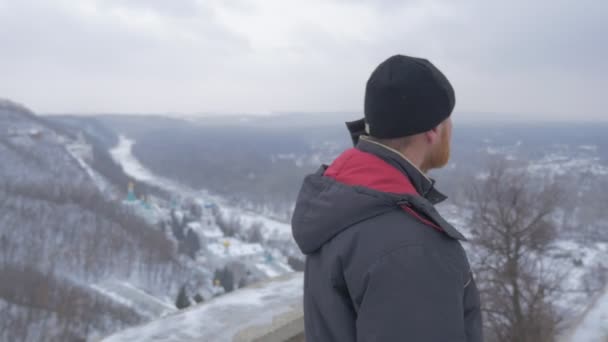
131	296
60	233
81	151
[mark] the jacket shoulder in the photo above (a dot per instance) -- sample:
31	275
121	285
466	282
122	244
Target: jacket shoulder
368	242
382	233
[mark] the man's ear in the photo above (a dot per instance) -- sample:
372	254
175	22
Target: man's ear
432	135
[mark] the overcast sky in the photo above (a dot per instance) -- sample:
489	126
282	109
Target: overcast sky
542	59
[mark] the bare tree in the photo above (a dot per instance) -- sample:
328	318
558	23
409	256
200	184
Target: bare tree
182	300
512	229
254	234
230	226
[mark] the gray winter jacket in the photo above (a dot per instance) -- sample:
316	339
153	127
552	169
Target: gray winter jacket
382	264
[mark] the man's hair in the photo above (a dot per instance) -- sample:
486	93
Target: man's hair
395	143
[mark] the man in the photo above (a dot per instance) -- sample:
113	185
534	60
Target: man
382	264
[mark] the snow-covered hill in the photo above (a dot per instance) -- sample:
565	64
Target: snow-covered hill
65	244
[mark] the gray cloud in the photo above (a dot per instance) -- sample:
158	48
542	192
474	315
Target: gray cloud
179	8
527	35
543	57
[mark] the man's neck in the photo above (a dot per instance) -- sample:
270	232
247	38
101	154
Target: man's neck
411	155
423	184
414	156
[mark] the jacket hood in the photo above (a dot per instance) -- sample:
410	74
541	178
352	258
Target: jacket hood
357	186
326	207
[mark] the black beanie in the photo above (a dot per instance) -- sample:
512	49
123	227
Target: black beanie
406	96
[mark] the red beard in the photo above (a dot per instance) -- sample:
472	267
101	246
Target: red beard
440	155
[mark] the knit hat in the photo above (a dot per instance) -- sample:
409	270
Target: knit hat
406	96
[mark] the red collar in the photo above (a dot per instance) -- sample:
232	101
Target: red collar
357	168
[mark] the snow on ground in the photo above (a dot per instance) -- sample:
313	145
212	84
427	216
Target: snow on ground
123	154
574	261
151	212
235	248
593	312
223	317
269	270
210	232
271	229
590	148
75	150
560	164
257	257
563	160
456	216
128	295
594	326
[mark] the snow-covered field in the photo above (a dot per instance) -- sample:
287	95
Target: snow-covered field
559	164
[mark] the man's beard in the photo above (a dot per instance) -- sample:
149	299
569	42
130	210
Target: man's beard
439	155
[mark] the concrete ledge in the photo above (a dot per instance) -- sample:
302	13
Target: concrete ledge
286	327
270	311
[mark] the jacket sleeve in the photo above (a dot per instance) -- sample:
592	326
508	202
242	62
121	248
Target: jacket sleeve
411	295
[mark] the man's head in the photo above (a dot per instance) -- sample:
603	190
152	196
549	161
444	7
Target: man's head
408	103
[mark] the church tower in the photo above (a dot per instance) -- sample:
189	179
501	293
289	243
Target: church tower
131	194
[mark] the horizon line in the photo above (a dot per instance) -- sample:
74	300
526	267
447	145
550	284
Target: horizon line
519	117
